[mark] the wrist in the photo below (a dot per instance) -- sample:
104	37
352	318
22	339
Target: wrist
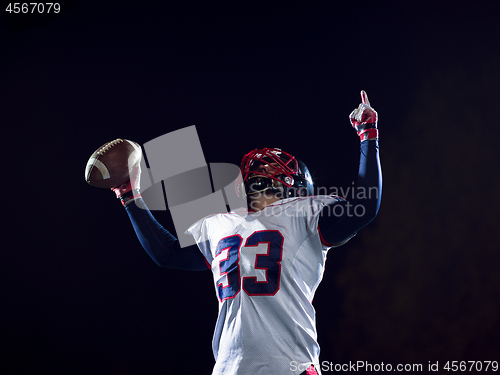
368	134
129	197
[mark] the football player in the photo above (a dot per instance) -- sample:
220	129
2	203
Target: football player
268	260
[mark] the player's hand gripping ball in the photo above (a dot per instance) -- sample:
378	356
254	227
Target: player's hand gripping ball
112	163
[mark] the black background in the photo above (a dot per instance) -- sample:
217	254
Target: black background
420	284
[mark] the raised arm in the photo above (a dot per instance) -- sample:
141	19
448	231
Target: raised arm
363	207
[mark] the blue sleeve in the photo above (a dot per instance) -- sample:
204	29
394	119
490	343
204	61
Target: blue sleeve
338	224
160	244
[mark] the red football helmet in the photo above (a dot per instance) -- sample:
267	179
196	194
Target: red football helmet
289	176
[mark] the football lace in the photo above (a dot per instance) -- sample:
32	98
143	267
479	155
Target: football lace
109	145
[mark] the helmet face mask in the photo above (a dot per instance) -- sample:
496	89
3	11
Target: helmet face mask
258	184
273	170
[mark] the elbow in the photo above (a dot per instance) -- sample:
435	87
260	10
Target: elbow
160	263
164	262
367	212
159	260
370	204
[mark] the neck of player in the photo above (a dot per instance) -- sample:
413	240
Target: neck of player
261	200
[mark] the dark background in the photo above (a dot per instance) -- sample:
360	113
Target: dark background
420	284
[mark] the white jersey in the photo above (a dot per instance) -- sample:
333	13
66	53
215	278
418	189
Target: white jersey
266	267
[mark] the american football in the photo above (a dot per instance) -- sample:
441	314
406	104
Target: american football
110	164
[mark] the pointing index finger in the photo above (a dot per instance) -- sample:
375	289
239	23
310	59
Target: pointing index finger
364	98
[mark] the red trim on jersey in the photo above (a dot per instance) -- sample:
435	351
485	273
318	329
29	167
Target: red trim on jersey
323	241
326	243
208	264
